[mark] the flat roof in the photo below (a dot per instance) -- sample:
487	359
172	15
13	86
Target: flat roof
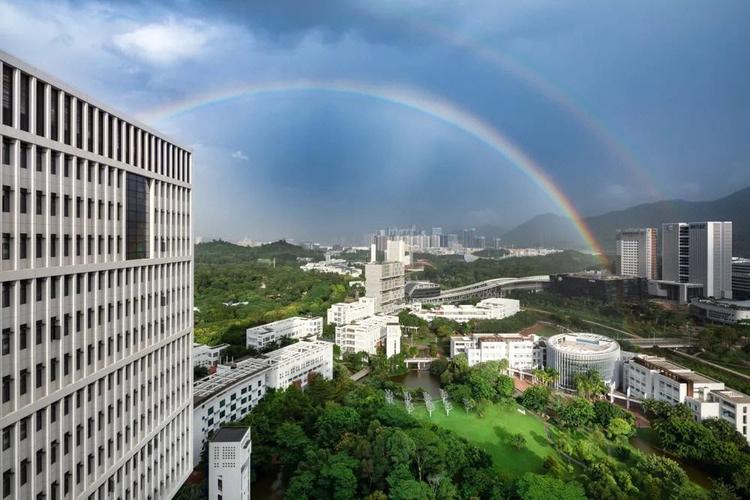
229	434
678	371
733	396
230	376
583	343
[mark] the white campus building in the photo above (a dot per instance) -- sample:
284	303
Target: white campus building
343	313
207	355
369	334
493	308
651	377
572	354
235	389
521	351
296	327
96	272
334	266
721	311
384	282
229	464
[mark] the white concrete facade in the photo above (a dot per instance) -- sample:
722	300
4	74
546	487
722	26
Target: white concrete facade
576	353
728	312
385	282
369	334
296	327
294	364
226	396
651	377
518	349
229	464
207	355
493	308
96	275
637	253
343	313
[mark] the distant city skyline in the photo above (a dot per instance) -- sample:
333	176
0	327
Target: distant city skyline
310	121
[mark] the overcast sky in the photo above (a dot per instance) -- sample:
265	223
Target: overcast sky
618	102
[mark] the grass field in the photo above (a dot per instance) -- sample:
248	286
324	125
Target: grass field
491	433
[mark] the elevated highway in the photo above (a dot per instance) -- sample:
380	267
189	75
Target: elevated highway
496	287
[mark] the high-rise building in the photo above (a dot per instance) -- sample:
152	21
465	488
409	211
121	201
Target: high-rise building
385	283
469	236
699	252
740	278
711	258
97	297
636	252
675	247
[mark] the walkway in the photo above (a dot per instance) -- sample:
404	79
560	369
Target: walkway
360	374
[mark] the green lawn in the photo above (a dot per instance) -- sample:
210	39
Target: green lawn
492	431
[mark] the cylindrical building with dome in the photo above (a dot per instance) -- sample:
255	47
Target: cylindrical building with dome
574	353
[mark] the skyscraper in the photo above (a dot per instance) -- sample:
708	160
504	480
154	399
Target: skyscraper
96	311
636	252
699	252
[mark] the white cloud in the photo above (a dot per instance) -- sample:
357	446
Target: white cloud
239	155
166	42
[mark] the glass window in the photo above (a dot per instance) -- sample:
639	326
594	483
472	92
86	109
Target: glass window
136	218
7	95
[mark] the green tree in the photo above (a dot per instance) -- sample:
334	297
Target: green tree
517	441
537	487
619	429
590	384
536	398
576	413
334	421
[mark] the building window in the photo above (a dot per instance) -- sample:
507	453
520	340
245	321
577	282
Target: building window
40	108
7	95
24	102
6	246
6	199
136	218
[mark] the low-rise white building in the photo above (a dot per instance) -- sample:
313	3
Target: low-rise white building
721	311
343	313
335	266
229	464
207	355
494	308
293	364
226	396
296	327
518	349
652	377
369	334
235	389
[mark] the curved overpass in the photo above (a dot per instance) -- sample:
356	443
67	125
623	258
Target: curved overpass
490	288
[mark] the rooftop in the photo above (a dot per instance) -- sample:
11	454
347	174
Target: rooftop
230	434
583	343
226	377
733	396
680	372
294	351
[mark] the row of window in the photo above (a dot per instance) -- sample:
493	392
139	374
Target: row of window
66	119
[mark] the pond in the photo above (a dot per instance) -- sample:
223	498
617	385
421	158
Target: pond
644	442
416	379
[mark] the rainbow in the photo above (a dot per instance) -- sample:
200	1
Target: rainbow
535	81
427	104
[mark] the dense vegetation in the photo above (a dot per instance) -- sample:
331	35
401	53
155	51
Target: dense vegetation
452	271
712	444
262	284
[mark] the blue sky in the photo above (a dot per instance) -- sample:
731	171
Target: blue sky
619	102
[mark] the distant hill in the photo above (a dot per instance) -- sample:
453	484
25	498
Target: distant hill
553	230
546	230
223	252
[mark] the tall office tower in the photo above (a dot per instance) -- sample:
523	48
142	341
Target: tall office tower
96	311
711	257
636	252
437	231
740	278
468	238
675	247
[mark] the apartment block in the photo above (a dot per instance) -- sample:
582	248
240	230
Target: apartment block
96	275
740	278
296	327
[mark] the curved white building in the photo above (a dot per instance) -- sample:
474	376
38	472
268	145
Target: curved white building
574	353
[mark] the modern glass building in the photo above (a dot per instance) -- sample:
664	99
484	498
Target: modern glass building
96	275
574	353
